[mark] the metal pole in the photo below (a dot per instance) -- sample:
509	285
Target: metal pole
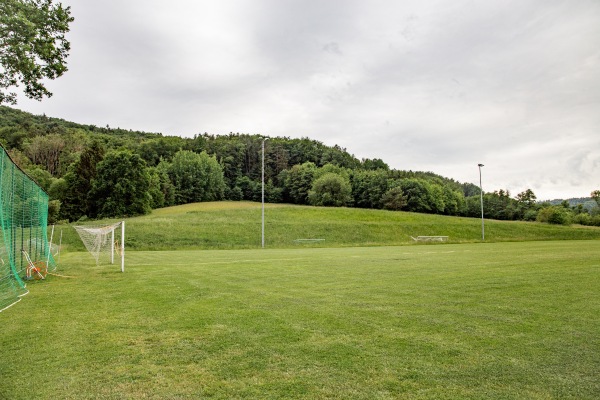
481	196
50	248
59	246
112	246
263	193
123	246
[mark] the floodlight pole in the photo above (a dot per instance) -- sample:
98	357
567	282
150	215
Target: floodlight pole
481	197
263	193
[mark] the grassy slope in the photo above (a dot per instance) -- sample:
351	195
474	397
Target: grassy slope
468	321
237	225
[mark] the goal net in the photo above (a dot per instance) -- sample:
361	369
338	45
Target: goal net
105	243
23	230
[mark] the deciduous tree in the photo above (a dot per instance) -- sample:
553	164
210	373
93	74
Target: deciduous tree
596	196
196	177
298	181
120	188
331	190
32	46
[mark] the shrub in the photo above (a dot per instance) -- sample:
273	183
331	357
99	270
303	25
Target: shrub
582	219
530	215
554	215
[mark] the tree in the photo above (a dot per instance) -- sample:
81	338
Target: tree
196	177
454	201
57	189
166	186
331	190
369	187
417	194
32	46
526	207
40	176
499	205
298	181
162	148
46	151
120	188
53	211
374	164
527	198
79	178
394	199
596	196
161	189
249	189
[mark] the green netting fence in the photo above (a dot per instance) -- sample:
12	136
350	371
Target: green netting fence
23	230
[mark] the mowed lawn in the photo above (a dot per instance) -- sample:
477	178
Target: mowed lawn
452	321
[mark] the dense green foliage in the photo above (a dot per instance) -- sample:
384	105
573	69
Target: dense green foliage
196	177
64	158
121	186
33	46
469	321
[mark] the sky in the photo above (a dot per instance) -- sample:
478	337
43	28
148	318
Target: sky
424	85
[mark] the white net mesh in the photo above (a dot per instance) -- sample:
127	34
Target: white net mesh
100	241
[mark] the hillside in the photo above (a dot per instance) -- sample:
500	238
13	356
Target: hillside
95	172
237	225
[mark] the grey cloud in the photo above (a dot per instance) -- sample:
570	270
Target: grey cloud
436	86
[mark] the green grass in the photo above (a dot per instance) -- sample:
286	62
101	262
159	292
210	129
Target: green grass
458	321
237	225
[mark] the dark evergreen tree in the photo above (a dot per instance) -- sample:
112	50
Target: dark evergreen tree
79	180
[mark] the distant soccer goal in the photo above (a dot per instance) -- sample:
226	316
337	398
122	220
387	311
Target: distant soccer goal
104	242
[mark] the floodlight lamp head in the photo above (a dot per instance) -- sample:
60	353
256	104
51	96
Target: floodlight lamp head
480	165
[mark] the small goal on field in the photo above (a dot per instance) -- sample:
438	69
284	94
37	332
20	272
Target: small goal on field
104	242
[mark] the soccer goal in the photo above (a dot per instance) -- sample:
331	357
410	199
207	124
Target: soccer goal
104	242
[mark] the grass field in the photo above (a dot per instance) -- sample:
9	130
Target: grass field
458	321
237	225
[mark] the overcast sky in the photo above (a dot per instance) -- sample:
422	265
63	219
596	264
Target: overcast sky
424	85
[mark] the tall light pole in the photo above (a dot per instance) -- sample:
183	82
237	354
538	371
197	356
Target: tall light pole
481	196
263	192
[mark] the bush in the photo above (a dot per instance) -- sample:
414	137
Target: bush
331	189
554	215
234	193
530	215
53	211
582	219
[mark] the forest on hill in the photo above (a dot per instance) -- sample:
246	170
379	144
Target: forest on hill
102	172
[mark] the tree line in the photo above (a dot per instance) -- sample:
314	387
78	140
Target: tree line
102	172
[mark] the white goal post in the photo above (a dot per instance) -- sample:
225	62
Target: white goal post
101	241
